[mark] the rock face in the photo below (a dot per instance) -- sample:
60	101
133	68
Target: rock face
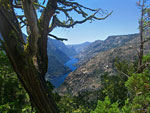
56	58
88	76
62	47
99	46
54	48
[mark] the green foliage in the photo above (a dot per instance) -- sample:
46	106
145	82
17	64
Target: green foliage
146	58
87	99
69	104
139	83
13	97
106	107
127	107
114	88
136	87
126	67
50	90
139	88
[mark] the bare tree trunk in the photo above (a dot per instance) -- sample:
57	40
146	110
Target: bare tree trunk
141	39
30	76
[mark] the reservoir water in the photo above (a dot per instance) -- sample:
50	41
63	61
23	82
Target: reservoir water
57	81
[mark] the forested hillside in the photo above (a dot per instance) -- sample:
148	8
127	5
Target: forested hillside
56	58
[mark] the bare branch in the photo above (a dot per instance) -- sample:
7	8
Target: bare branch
61	39
75	8
65	8
43	2
53	24
32	21
138	53
141	52
46	16
21	20
69	9
122	72
142	67
36	4
17	6
48	13
23	25
61	24
72	4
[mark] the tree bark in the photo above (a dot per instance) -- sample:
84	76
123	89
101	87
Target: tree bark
23	64
36	88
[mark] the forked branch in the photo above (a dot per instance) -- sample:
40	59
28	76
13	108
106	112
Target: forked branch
57	22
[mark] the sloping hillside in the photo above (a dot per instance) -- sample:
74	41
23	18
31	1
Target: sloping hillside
62	47
88	76
99	46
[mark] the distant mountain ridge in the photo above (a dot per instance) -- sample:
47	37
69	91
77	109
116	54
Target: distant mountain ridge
87	77
79	47
99	46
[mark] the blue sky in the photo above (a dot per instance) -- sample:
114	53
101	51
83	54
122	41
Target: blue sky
124	20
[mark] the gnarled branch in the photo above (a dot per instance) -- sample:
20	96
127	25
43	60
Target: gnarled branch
61	39
61	24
